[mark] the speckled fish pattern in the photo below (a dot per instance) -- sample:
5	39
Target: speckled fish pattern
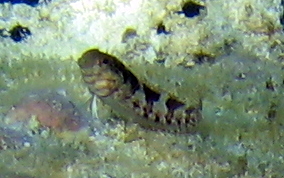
132	100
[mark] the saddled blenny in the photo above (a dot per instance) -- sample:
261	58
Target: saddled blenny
132	100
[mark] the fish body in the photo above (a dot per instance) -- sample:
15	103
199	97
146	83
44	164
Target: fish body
132	100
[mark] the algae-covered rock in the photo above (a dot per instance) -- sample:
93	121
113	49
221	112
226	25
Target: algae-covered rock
228	55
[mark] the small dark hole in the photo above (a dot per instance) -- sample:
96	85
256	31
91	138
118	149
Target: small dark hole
19	33
191	9
161	29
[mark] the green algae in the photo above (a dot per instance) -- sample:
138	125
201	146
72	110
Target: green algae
237	138
230	141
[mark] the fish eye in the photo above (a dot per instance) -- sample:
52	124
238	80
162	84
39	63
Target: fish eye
105	61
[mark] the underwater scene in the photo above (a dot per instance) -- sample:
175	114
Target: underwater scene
141	89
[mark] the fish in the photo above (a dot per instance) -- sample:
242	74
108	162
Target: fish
131	99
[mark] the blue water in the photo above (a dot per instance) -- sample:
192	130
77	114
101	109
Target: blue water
32	3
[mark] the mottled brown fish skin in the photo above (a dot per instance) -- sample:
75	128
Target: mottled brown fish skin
107	78
104	75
